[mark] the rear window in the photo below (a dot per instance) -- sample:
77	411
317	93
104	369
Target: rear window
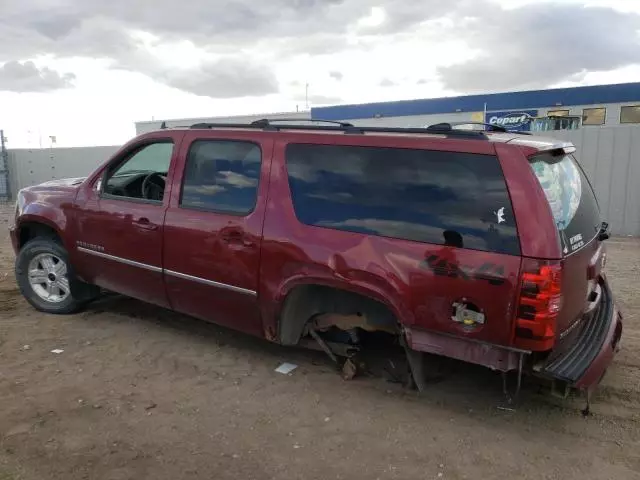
444	198
573	203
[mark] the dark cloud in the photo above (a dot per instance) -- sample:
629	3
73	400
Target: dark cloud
227	78
203	21
336	75
542	44
319	25
27	77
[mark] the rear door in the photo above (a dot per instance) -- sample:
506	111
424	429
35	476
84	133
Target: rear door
577	216
213	228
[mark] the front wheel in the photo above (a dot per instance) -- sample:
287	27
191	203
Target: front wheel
44	277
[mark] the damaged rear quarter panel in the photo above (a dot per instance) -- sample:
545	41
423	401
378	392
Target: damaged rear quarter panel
418	282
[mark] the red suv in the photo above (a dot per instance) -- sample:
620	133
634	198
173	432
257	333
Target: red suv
483	246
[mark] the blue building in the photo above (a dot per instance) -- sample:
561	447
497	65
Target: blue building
595	106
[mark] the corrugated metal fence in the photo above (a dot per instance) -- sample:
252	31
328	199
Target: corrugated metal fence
610	155
33	166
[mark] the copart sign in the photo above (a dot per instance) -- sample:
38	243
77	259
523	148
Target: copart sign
519	120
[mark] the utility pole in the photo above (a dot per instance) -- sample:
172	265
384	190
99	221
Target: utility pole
306	95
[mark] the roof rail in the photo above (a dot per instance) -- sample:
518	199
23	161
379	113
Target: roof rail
490	127
265	122
346	128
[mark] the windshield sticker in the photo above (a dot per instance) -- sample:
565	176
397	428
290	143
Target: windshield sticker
500	215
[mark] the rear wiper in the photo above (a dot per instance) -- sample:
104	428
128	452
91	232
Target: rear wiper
604	234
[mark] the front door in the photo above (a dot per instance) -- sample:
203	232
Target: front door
213	229
120	226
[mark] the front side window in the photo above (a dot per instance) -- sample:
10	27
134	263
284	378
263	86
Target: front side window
222	176
594	116
142	175
630	114
571	198
443	198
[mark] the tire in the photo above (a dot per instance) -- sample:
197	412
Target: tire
45	277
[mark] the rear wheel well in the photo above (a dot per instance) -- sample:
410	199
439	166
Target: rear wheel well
31	230
335	306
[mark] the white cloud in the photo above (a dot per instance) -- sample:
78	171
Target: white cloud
132	62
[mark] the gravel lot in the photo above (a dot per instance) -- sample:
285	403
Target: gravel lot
141	392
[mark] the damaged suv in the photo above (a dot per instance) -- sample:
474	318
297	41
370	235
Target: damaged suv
482	246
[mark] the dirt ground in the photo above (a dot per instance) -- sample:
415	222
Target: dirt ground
140	392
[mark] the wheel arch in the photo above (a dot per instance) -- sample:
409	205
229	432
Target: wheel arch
30	228
304	300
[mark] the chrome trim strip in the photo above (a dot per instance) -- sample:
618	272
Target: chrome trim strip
183	276
121	260
211	283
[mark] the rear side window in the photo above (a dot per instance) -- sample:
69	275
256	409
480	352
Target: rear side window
443	198
572	200
221	176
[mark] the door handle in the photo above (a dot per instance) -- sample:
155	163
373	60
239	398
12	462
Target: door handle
145	224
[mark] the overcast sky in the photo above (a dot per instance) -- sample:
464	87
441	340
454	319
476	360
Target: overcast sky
85	70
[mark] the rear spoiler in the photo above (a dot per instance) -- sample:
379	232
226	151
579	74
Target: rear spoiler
564	148
557	151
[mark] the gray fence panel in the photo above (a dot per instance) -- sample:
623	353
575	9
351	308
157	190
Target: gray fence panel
602	178
587	154
618	183
631	225
33	166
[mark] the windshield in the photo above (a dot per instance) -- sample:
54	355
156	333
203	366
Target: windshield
571	198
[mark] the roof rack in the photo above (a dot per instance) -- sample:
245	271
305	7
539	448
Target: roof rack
346	128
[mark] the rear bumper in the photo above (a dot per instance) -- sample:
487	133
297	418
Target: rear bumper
585	362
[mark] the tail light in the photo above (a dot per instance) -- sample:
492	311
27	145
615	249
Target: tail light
539	304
